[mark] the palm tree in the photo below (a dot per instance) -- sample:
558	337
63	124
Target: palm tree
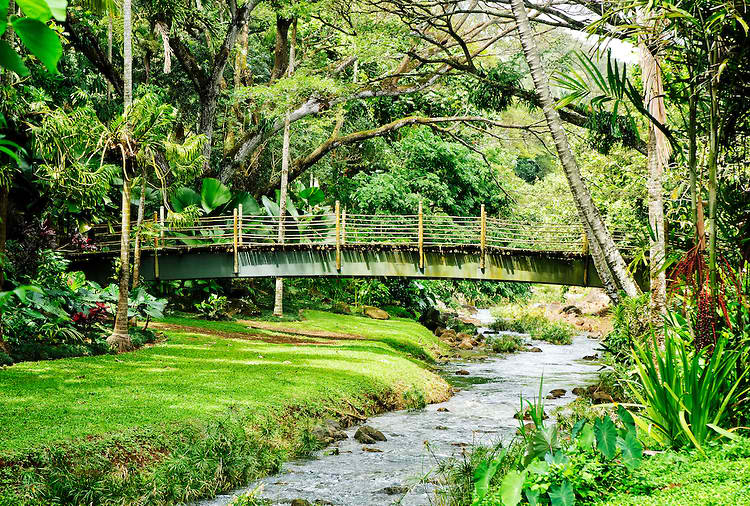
603	246
278	306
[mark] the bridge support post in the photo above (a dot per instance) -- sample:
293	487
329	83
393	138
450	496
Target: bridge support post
420	237
338	236
483	239
156	248
235	239
584	243
240	225
343	226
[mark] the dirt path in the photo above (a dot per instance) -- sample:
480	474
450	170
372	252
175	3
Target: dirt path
286	335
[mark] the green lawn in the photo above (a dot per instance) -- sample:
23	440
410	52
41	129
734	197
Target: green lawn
194	378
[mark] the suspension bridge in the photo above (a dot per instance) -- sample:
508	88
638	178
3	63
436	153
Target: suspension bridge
351	245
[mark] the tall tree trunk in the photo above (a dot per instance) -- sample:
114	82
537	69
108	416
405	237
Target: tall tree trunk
281	53
4	198
120	340
109	50
127	34
138	223
713	153
278	307
586	209
658	156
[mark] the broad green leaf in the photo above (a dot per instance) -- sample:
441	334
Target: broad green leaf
183	198
272	208
35	9
587	436
10	60
606	436
541	442
484	473
3	16
538	467
577	428
510	488
632	451
532	497
249	205
58	7
40	40
562	495
312	195
723	432
625	417
214	194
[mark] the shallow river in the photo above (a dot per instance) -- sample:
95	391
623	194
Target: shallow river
482	412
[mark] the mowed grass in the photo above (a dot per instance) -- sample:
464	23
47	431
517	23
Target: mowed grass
194	376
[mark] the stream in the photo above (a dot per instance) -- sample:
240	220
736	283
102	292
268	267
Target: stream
480	413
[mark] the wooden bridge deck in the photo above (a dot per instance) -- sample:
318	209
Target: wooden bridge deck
337	244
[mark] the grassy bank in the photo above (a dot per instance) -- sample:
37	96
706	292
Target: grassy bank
214	406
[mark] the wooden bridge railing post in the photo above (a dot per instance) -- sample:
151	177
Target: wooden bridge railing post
338	235
240	224
156	247
483	238
420	236
235	240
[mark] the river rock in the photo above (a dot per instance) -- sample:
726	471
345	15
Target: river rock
466	344
367	435
527	427
600	397
439	331
443	410
395	490
448	335
432	318
534	349
462	336
441	427
556	393
590	357
375	313
301	502
572	309
329	432
463	372
371	449
579	391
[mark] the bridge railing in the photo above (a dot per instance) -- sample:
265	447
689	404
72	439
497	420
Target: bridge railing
344	229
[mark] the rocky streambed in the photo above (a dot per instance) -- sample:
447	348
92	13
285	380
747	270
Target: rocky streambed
400	470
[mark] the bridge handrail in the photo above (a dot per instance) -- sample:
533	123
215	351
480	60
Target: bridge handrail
342	229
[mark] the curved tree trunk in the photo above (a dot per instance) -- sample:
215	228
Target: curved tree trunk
120	340
278	307
586	208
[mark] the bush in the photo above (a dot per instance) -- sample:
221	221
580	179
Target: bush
5	359
534	323
505	343
214	307
630	325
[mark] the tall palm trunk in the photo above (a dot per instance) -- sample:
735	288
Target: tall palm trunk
278	306
120	340
127	50
138	223
586	209
713	153
658	156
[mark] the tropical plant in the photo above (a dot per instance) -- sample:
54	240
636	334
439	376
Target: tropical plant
214	307
686	394
38	38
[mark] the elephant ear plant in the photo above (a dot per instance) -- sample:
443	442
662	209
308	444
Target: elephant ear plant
557	471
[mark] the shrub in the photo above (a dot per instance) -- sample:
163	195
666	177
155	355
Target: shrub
414	399
5	359
505	343
214	307
630	325
534	323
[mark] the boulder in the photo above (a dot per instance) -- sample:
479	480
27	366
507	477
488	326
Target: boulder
443	410
367	435
395	490
579	391
462	336
590	357
600	397
466	344
375	313
432	318
463	372
572	309
301	502
439	331
534	349
329	432
371	449
341	308
556	393
448	335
